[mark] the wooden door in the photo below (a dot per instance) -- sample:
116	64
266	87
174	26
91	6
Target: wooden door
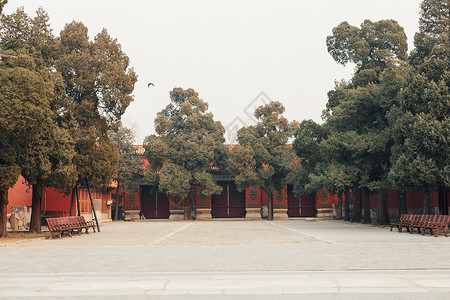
303	206
230	203
154	205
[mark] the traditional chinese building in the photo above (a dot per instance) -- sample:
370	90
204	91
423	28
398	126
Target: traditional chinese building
251	203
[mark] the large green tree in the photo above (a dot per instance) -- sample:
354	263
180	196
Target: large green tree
98	88
45	149
68	93
188	141
306	175
421	154
263	157
356	111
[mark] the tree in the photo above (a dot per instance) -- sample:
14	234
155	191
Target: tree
130	169
263	156
188	141
98	89
45	153
70	132
356	111
421	155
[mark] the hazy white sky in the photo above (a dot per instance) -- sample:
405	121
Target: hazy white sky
228	51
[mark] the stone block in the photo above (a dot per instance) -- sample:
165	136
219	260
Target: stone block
22	217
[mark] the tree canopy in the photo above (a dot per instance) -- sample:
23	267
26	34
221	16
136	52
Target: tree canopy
263	157
59	98
187	143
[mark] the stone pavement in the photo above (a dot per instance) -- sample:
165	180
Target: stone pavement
230	259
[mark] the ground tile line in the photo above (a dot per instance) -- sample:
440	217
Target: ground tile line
158	241
293	230
228	272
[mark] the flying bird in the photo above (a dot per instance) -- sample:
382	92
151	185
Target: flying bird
148	85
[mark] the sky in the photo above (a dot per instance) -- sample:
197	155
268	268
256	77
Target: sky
236	54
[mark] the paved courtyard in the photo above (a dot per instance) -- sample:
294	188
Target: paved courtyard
229	259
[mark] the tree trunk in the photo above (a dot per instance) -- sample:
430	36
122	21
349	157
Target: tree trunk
36	200
366	200
356	204
402	208
78	201
270	206
187	210
347	205
116	211
72	203
3	212
339	206
382	211
427	202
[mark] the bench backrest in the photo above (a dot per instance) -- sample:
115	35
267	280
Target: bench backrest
446	219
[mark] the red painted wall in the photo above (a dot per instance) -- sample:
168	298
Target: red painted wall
55	203
19	194
414	200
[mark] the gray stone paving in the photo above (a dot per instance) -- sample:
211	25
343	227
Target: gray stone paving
230	259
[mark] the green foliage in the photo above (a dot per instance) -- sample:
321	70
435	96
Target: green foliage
97	72
359	137
31	93
187	143
2	4
130	169
306	145
57	101
421	155
263	155
9	169
370	46
98	87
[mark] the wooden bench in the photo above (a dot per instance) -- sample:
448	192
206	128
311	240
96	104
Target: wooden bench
438	222
419	223
422	223
68	224
404	219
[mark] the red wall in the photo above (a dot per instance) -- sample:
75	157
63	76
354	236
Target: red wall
19	195
55	203
414	200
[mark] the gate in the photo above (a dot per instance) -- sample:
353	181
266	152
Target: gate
154	205
303	206
230	203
